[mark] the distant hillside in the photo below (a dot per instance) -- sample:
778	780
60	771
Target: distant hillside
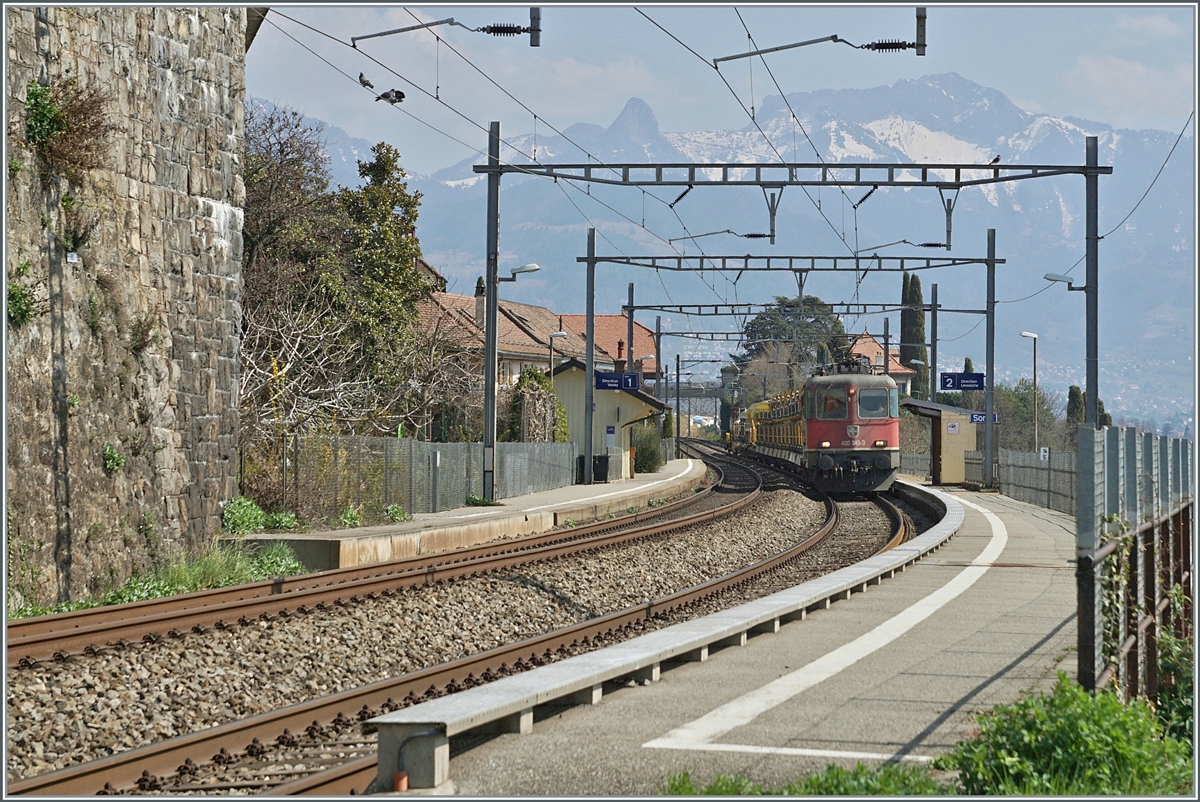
1147	266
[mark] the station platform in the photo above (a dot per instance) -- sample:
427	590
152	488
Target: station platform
898	672
467	526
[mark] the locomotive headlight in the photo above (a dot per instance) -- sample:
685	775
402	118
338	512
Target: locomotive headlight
881	443
824	444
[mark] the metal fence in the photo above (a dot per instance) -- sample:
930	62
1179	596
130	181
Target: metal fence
973	467
325	476
1134	543
1023	475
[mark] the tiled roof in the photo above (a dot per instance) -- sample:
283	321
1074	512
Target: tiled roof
522	329
610	329
866	345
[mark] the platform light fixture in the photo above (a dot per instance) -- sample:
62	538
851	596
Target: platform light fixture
1070	282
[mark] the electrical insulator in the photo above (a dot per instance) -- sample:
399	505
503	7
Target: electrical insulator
933	245
756	236
889	44
504	29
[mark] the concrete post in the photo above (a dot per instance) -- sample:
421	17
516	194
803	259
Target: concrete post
1092	256
988	430
1089	513
490	354
589	401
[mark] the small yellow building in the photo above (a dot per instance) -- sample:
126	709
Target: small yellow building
615	412
953	435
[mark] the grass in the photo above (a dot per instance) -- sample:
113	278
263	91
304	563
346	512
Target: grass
216	567
1070	743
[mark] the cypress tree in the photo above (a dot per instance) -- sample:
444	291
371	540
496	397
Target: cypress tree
917	335
905	320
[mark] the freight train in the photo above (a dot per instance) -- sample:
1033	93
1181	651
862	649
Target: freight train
842	428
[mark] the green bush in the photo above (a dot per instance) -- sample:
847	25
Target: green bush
681	785
396	513
1175	667
350	517
242	516
280	520
480	501
648	458
20	304
113	460
1072	743
44	118
887	780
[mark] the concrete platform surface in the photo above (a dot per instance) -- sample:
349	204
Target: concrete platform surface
897	672
467	526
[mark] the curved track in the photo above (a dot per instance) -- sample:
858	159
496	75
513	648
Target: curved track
97	629
316	748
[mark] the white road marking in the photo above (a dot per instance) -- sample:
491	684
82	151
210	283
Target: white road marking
701	733
787	750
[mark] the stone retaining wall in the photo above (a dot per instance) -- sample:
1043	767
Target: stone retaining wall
135	339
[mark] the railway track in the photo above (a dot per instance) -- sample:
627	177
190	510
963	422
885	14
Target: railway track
95	630
317	747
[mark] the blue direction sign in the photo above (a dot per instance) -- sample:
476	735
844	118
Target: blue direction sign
962	381
981	417
618	381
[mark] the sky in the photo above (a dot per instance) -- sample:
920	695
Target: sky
1130	66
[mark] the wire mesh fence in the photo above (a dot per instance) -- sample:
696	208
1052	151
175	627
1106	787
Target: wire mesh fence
1048	483
326	476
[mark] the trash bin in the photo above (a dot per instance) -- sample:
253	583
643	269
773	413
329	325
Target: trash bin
599	468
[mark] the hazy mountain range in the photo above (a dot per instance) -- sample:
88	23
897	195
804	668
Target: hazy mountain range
1146	265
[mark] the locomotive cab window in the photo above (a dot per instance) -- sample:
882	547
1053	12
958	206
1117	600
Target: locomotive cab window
832	403
894	394
873	402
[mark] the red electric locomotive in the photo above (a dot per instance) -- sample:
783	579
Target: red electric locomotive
852	430
842	428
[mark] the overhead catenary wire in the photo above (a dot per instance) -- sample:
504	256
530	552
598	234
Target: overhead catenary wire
1123	219
766	138
477	125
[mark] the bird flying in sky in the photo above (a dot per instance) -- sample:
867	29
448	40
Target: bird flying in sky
392	96
362	79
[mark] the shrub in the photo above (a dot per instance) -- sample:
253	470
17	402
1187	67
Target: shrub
68	127
280	520
350	517
218	566
396	513
648	458
889	780
722	785
20	305
242	516
480	501
113	460
1072	743
1175	667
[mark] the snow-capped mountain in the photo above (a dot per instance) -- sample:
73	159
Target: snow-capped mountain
1147	264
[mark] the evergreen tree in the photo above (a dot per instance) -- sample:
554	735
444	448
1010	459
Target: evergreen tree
1076	407
916	334
906	321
